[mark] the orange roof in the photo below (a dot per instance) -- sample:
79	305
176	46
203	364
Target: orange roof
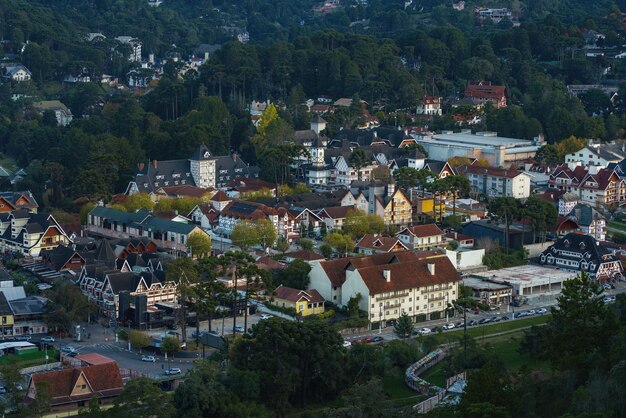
221	197
294	295
94	359
379	243
427	230
484	90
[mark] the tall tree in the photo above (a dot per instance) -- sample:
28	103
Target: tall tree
358	160
455	185
184	272
504	209
404	326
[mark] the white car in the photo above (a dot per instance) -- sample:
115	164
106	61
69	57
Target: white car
347	344
172	371
47	339
44	286
424	331
150	359
541	311
448	326
266	316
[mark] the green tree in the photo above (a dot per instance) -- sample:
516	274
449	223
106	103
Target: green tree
42	402
358	160
139	339
266	232
143	398
245	235
326	250
183	271
456	184
340	242
199	245
296	275
92	410
305	244
66	306
365	400
404	326
169	346
358	224
548	154
406	177
504	209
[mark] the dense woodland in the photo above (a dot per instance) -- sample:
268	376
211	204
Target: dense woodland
304	56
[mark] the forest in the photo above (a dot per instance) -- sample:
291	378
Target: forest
307	56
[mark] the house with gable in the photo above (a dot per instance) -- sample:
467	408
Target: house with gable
390	284
383	199
17	73
430	105
598	154
589	220
375	244
578	252
422	237
27	233
335	216
304	302
201	170
71	388
10	201
484	91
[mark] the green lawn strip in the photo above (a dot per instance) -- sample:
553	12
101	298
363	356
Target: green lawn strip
30	359
506	347
478	331
435	375
617	225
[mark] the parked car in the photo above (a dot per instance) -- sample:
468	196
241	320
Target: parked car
531	312
471	323
3	389
448	326
495	319
239	328
606	286
68	349
434	329
47	339
172	326
72	354
173	371
424	331
265	316
44	286
505	318
150	359
458	325
23	338
541	311
347	344
368	340
196	335
377	338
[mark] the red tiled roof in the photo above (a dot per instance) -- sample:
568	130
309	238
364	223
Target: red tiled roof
104	379
427	230
552	195
220	196
409	275
307	255
294	295
269	263
484	90
431	100
336	269
94	359
491	171
459	237
380	243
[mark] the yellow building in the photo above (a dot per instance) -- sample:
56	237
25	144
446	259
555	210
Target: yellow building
430	207
305	302
6	316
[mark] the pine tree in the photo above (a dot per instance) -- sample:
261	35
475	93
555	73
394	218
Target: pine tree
404	326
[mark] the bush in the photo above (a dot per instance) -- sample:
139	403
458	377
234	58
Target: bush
122	333
286	311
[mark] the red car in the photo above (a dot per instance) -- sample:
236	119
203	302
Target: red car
368	340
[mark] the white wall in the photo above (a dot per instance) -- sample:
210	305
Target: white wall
466	258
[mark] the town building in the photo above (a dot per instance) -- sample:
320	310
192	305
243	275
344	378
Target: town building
17	73
10	201
113	223
389	284
576	252
422	237
26	233
498	151
375	244
496	182
70	389
589	220
430	105
304	302
29	315
593	185
489	292
485	92
598	154
386	200
61	112
202	170
134	54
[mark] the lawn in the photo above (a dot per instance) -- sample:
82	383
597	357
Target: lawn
34	358
399	393
620	226
480	331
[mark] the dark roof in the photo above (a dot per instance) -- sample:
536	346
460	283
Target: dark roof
5	308
307	255
578	247
294	295
585	214
30	305
201	153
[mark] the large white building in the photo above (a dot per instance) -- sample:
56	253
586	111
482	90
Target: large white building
389	284
497	182
598	154
498	151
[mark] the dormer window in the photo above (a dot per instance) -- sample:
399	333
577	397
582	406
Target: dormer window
582	245
566	243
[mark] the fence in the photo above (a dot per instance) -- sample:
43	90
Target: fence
418	384
41	368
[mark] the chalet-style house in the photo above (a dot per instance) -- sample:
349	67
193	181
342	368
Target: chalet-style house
465	241
496	182
240	210
593	185
112	223
305	302
61	112
377	244
581	252
27	233
422	237
562	200
389	284
201	170
598	154
17	73
589	220
335	216
430	105
71	389
10	201
384	200
484	91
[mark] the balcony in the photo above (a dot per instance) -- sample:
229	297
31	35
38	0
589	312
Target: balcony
398	295
436	298
392	305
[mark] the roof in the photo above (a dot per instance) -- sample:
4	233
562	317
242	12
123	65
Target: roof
93	359
104	380
426	230
221	196
580	247
489	171
408	275
484	90
51	105
584	214
379	243
29	305
294	295
184	190
307	255
336	212
5	308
